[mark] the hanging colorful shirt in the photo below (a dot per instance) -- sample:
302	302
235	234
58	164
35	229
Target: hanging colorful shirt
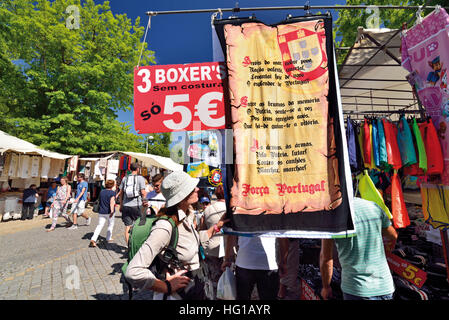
383	158
405	143
433	148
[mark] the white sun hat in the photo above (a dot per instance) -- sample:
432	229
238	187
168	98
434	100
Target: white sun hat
177	186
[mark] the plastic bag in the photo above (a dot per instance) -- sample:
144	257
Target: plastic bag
226	288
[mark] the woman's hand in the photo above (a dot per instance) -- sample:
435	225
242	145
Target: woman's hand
221	223
177	280
226	264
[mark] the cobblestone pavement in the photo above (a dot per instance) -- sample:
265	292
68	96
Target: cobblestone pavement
37	265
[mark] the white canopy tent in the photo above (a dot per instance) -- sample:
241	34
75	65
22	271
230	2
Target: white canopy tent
147	159
372	80
156	161
11	143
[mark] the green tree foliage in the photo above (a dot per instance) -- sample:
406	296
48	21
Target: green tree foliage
159	144
349	20
60	87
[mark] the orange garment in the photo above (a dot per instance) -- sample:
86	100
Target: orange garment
391	142
398	208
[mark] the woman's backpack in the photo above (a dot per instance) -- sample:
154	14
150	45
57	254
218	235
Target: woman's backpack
139	233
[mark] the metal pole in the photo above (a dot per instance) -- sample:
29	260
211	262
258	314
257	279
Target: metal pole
356	7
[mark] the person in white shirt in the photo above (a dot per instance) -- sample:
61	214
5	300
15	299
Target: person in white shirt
156	199
255	265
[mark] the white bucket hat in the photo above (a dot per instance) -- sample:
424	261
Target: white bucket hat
177	186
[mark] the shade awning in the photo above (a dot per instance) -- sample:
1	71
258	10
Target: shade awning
372	80
156	161
11	143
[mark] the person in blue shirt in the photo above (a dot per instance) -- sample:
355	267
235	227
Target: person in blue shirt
79	204
29	199
50	197
106	212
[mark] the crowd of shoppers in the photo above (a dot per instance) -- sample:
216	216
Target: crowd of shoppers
203	252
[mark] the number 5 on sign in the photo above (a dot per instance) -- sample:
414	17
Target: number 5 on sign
179	97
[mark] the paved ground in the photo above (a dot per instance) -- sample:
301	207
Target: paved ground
36	265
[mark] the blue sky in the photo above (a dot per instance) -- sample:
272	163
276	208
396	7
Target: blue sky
186	38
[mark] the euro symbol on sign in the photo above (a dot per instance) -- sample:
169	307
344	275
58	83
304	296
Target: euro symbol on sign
206	109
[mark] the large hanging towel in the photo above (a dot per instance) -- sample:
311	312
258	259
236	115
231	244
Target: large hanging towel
393	154
425	55
405	143
433	148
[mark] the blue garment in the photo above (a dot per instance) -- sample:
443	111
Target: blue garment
51	192
383	157
105	201
375	142
79	188
29	195
405	143
151	194
350	135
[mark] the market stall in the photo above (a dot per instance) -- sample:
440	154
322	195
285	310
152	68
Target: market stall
395	130
379	86
21	165
114	165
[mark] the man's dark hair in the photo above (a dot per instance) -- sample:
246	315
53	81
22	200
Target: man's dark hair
80	175
157	177
134	166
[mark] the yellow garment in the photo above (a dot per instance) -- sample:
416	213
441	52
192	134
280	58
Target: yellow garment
435	204
368	191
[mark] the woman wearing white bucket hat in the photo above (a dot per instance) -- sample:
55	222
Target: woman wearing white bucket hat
180	192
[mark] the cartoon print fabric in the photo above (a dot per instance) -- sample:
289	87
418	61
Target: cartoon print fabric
425	54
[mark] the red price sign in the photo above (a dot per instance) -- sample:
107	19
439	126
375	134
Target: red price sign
307	292
185	97
406	270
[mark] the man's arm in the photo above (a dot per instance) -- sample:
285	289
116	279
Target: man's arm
326	267
230	242
390	233
283	252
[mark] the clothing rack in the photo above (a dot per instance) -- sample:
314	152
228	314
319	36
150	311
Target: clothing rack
305	7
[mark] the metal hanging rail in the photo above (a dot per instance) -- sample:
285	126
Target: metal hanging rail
305	8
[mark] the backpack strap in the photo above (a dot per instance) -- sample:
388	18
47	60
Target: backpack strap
175	233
